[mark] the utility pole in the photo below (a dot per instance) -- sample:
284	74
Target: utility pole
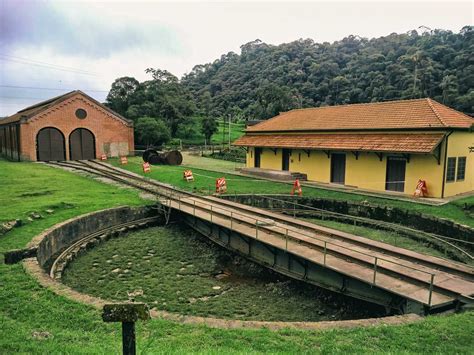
229	129
223	131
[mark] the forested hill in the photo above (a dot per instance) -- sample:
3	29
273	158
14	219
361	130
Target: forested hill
267	79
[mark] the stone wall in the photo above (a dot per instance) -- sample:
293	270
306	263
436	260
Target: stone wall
62	235
423	222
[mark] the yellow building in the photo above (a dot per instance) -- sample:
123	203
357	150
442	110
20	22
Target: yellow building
386	146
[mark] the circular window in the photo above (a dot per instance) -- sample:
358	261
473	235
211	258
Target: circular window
81	113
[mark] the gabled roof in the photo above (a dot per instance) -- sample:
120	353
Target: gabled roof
402	114
31	111
421	143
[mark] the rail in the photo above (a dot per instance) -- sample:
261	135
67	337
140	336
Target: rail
355	219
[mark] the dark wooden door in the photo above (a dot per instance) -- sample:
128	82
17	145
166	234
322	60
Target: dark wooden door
82	144
258	152
50	145
338	168
285	157
396	168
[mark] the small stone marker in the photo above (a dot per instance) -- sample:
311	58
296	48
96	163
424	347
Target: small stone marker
127	314
17	255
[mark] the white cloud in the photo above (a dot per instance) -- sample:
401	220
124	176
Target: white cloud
116	39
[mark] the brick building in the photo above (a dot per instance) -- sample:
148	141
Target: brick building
72	126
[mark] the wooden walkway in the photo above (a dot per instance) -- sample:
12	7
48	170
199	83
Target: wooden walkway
422	278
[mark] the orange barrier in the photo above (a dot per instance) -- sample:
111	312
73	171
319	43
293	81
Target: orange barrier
123	160
188	175
146	167
421	189
221	185
103	157
297	188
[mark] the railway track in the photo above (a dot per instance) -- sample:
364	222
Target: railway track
429	280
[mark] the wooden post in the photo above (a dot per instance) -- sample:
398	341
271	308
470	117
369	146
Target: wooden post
127	314
128	338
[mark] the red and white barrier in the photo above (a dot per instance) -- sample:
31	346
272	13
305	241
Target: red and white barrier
221	185
297	188
146	167
188	175
421	189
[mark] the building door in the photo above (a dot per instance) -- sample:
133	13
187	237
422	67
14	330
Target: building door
338	168
81	144
258	152
50	145
395	180
285	157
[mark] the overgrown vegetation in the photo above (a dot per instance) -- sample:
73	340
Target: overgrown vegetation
34	320
177	270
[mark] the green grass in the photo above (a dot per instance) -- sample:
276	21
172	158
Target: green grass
175	269
26	307
205	182
237	130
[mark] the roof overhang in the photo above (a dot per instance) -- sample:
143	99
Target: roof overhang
360	142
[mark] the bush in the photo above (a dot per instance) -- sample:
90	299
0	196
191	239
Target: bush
233	154
151	131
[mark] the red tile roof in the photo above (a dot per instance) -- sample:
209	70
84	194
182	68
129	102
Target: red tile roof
402	114
31	111
397	143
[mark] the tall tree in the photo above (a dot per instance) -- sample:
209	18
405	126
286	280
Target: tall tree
208	127
120	93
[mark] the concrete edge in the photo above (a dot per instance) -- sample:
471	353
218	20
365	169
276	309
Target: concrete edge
32	267
36	240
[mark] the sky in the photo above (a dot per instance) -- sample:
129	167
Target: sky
48	48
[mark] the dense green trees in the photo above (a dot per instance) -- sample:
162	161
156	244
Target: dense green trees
162	97
266	79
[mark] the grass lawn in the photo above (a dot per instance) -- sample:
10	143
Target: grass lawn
204	182
221	136
26	308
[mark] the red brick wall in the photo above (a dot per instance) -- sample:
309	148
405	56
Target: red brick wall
112	135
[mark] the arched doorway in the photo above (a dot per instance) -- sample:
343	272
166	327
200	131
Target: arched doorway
50	145
81	144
